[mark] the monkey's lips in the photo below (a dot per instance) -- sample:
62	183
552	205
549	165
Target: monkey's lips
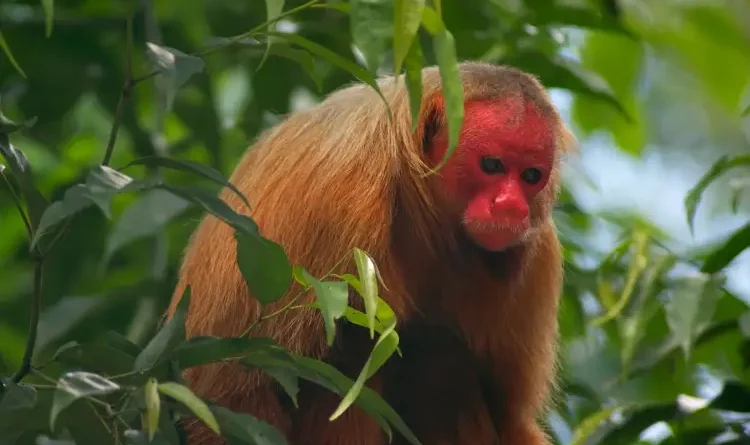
495	236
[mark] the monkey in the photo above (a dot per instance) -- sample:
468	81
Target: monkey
469	257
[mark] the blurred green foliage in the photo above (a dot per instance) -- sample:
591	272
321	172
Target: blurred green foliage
647	329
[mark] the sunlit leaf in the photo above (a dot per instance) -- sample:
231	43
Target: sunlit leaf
368	278
264	266
168	338
144	218
175	68
589	425
274	8
333	298
384	348
727	251
407	17
452	86
9	55
721	166
371	27
49	16
243	428
691	307
195	168
414	63
153	407
197	406
75	385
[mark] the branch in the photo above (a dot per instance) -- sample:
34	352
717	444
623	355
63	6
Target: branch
36	308
17	202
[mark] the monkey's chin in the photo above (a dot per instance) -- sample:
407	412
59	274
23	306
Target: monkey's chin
497	240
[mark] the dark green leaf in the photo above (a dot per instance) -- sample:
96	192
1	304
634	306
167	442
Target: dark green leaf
197	406
203	350
321	51
9	55
264	266
244	429
60	318
175	68
556	15
135	437
144	218
734	397
333	298
372	28
168	338
728	251
75	385
721	166
15	396
302	57
214	205
286	379
195	168
408	16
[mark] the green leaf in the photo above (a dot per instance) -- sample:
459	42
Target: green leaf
15	396
560	72
102	184
153	407
168	338
264	266
274	8
738	186
302	57
197	406
728	251
371	27
9	55
384	348
135	437
414	64
175	69
548	14
590	424
206	349
721	166
321	51
143	219
733	397
75	385
453	90
49	16
745	112
242	429
195	168
691	307
407	17
369	285
333	298
21	170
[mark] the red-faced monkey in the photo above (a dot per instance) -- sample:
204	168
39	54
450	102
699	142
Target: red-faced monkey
470	258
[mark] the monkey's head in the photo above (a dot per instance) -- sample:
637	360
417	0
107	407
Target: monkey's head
496	181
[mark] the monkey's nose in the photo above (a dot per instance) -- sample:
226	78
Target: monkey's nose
512	209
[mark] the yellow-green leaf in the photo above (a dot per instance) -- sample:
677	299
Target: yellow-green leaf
197	406
407	17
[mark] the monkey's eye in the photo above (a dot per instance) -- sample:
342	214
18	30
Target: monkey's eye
492	165
531	175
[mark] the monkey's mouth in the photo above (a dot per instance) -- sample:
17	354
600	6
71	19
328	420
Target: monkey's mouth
496	236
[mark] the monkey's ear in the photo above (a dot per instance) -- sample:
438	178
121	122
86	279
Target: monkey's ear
432	121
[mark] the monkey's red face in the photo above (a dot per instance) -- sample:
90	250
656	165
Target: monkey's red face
504	160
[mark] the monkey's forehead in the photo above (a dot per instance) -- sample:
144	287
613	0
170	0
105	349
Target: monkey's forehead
510	123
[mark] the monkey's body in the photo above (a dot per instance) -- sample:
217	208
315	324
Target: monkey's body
478	328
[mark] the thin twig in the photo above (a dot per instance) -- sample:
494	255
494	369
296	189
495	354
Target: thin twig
125	93
36	308
17	202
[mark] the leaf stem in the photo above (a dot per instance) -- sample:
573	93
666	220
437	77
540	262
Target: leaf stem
36	308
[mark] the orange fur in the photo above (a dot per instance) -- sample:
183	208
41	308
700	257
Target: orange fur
341	175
